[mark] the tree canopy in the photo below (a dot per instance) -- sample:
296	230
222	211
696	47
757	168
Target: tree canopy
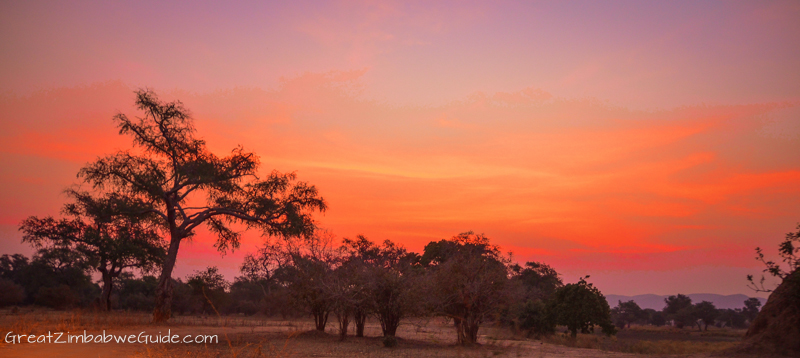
580	306
171	173
101	233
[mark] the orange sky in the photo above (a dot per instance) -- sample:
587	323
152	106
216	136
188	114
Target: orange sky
651	147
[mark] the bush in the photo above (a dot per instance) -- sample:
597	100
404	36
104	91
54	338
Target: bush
59	297
535	318
389	341
10	293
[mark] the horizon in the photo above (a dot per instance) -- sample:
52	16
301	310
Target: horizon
650	146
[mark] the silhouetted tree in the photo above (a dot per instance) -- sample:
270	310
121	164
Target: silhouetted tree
581	306
751	308
53	278
101	233
539	280
679	310
705	312
468	275
732	318
208	288
173	172
626	313
528	289
388	273
137	294
654	317
303	266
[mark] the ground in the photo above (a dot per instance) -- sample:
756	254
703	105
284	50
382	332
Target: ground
262	337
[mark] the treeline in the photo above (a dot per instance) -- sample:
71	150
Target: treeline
465	279
681	312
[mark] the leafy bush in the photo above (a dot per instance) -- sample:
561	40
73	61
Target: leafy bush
10	293
389	341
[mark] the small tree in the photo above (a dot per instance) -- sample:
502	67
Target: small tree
626	313
679	310
304	266
654	317
539	280
387	271
208	287
581	306
102	234
468	275
705	312
178	179
751	308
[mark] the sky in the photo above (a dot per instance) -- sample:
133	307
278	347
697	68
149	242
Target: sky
650	145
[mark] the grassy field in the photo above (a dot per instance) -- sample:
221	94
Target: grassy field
261	337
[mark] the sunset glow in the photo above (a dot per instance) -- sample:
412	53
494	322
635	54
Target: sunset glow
651	146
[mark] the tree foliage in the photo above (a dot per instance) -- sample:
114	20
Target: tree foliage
626	313
469	275
581	306
101	233
172	174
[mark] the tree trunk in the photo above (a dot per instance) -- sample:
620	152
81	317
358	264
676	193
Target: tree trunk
344	322
105	297
472	331
321	319
163	308
361	319
459	325
389	323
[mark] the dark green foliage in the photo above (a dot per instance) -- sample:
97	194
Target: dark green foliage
10	293
679	309
183	301
751	308
108	234
137	294
732	318
43	276
706	312
208	290
580	306
247	296
527	290
539	280
626	313
655	318
536	319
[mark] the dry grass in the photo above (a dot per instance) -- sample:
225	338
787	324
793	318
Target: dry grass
654	340
261	337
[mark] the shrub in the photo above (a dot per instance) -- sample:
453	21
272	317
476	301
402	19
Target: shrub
10	293
389	341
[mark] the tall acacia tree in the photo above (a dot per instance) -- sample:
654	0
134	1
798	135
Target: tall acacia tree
178	179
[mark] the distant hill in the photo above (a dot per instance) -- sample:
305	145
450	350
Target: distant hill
656	302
